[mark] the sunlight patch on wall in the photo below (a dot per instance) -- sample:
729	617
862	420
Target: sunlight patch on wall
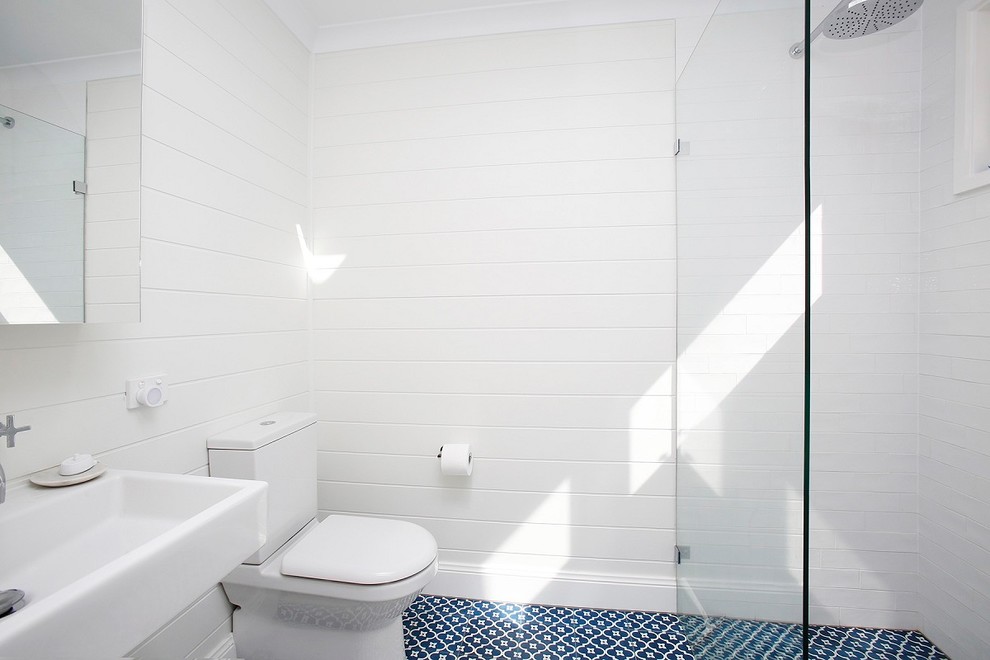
766	320
320	267
646	449
549	545
29	308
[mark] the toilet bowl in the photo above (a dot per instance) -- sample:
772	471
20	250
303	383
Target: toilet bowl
316	590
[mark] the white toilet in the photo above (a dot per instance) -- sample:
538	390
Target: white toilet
326	590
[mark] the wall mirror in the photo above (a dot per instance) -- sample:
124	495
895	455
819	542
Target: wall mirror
70	147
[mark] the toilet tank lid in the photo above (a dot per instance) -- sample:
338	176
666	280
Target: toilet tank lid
261	432
361	550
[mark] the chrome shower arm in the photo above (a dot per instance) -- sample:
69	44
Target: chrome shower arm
797	50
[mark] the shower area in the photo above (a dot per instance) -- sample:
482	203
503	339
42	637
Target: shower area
805	452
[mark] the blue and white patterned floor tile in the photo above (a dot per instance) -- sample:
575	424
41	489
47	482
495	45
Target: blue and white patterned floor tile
827	642
442	628
719	638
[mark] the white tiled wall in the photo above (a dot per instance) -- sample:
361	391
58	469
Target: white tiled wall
954	544
865	141
501	211
224	291
113	199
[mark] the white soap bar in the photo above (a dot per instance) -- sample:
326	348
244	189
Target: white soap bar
76	464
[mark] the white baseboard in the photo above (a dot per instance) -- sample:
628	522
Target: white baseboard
224	650
741	600
565	589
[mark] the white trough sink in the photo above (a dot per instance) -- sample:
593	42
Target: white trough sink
105	564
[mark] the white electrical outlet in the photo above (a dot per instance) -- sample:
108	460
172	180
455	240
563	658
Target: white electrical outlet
150	391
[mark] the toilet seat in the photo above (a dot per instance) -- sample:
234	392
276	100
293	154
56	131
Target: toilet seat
247	580
360	550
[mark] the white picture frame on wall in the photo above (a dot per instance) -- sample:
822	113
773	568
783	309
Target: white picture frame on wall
972	135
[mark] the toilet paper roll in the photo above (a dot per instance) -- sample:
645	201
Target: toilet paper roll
456	460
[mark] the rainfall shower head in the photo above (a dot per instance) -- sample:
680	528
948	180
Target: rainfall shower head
858	18
7	122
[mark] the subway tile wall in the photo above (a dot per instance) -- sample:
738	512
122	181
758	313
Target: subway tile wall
954	492
865	200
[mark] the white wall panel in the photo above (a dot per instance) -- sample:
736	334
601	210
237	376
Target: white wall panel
588	477
184	84
644	276
493	378
508	51
579	244
600	210
113	163
518	311
501	209
526	345
492	86
539	114
488	150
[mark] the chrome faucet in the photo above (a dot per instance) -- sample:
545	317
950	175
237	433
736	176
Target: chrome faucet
9	431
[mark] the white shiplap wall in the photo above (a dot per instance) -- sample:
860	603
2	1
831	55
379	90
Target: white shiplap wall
954	466
113	200
224	292
501	214
865	151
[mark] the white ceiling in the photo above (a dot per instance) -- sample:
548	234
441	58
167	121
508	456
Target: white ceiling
45	30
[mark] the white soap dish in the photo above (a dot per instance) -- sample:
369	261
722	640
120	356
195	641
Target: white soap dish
51	478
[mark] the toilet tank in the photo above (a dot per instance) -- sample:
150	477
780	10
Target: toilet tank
280	449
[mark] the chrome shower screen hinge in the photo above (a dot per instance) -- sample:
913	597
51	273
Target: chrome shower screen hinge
681	552
79	187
